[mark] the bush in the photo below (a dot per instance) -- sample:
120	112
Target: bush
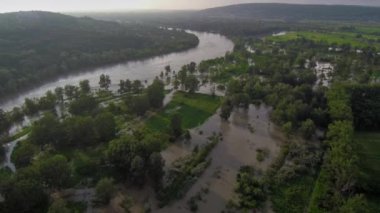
104	190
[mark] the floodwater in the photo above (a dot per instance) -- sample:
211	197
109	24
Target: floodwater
9	147
210	46
245	132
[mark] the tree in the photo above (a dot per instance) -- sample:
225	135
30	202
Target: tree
128	85
192	67
156	169
192	83
71	92
121	87
59	206
47	131
250	190
25	196
176	125
59	93
105	126
120	153
17	116
80	131
168	69
226	109
5	124
85	87
138	170
139	104
54	171
355	204
182	76
23	155
156	93
137	87
308	128
30	106
104	81
48	101
84	105
288	129
104	190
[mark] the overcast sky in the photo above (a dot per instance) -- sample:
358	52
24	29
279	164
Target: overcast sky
106	5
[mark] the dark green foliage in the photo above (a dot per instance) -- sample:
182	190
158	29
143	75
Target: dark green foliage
104	81
156	93
80	132
25	196
105	127
54	171
138	170
4	122
307	128
105	190
17	115
59	206
156	172
365	104
84	105
23	154
176	125
47	102
138	104
192	84
84	86
129	155
46	131
226	109
250	190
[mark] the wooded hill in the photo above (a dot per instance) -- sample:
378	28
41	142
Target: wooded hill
36	46
295	12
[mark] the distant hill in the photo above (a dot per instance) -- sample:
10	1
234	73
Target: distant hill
36	46
295	12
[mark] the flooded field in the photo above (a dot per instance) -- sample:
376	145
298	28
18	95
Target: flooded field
245	132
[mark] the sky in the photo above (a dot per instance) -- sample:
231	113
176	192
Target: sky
120	5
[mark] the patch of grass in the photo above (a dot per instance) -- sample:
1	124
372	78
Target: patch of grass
193	108
369	155
339	38
77	207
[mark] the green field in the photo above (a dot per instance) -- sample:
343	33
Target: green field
338	38
193	108
369	154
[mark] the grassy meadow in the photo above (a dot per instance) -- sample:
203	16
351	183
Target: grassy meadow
358	40
193	108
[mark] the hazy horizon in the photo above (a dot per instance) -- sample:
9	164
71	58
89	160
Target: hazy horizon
119	5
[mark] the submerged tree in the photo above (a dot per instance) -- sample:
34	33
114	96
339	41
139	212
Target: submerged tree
176	125
104	81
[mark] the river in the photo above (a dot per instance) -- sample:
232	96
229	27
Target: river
210	46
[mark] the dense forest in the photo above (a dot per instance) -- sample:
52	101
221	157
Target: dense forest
37	46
